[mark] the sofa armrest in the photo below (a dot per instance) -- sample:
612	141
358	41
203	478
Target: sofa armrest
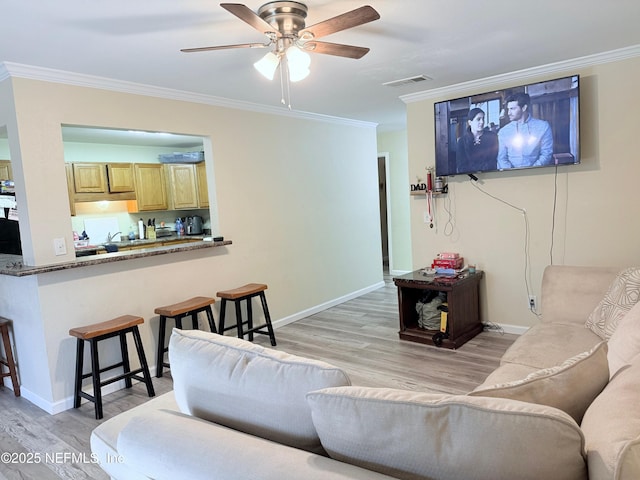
570	293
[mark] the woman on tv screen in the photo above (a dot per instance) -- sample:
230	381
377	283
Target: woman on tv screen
477	148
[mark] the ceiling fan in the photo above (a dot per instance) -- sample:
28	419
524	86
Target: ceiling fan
283	23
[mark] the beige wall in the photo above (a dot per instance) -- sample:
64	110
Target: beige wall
297	196
597	202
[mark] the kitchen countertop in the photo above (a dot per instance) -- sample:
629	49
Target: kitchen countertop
12	264
136	243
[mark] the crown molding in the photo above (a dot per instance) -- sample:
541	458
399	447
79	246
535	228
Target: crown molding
521	75
18	70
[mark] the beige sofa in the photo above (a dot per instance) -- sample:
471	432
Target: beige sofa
562	405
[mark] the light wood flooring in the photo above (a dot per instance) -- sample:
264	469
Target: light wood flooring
360	336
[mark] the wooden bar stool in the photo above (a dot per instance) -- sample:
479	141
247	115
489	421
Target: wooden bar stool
118	327
246	292
8	361
178	311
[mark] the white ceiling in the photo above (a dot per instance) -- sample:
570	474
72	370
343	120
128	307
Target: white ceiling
449	41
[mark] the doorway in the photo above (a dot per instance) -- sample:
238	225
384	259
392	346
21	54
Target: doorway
383	170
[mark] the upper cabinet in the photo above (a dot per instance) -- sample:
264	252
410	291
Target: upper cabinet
69	173
183	187
203	189
187	185
5	170
89	178
92	182
120	177
150	186
155	186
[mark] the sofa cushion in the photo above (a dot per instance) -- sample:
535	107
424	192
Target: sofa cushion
413	435
149	445
506	373
623	294
248	387
624	343
570	293
571	386
104	438
611	427
546	345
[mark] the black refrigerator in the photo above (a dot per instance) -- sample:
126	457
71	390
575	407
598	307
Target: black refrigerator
9	231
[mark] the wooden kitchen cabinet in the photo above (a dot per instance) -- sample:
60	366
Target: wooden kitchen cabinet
151	191
120	177
203	189
6	173
187	186
183	187
69	173
89	178
93	182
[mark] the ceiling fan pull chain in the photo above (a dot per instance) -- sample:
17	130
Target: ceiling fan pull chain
281	84
288	81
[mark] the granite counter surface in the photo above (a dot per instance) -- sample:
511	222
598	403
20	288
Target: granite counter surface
12	264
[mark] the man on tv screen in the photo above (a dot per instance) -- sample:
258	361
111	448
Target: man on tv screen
525	141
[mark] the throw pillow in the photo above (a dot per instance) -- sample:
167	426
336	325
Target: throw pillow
624	344
247	387
623	294
571	386
414	435
611	427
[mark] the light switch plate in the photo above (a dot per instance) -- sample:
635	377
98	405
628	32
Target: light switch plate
59	246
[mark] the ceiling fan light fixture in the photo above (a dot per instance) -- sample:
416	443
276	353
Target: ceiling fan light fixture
267	65
299	74
298	63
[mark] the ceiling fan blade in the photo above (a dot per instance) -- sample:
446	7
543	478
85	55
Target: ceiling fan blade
336	49
350	19
247	15
225	47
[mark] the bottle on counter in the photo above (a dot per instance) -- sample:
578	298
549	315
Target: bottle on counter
179	227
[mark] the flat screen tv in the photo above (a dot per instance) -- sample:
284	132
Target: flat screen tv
527	126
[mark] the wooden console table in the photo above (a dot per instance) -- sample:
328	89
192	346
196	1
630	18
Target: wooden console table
463	299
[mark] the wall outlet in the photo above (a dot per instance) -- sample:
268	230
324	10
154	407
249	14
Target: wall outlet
533	302
59	246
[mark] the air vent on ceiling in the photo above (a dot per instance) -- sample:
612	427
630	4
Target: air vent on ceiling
407	81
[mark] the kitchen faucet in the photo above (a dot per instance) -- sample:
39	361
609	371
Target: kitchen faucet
111	237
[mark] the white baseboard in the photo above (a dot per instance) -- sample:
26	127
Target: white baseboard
397	273
324	306
506	328
53	408
67	403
